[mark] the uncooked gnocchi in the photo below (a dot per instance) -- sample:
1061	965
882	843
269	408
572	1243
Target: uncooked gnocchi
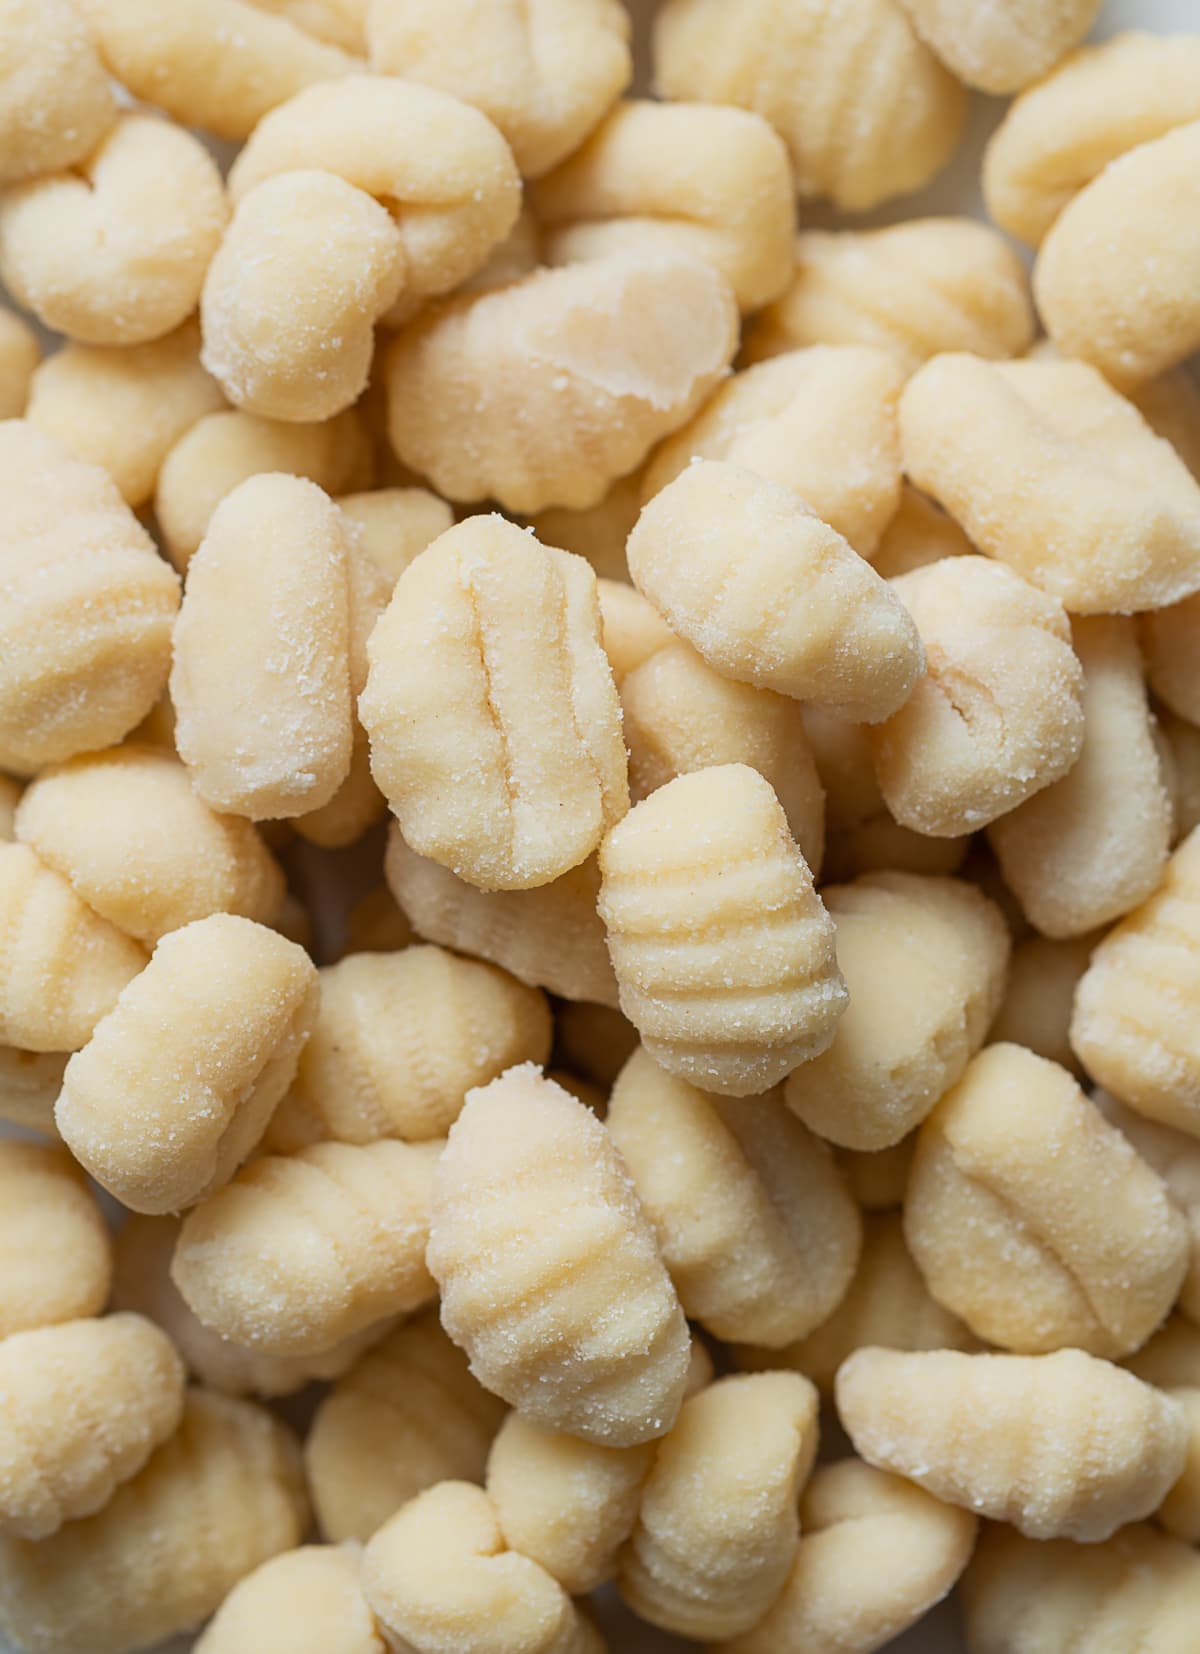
406	1416
914	289
769	594
694	178
820	421
298	1254
1063	1446
1132	1026
1035	1220
178	1082
86	607
755	1224
1047	468
1085	850
518	783
722	949
717	1528
606	1355
924	961
865	108
262	737
399	1040
999	713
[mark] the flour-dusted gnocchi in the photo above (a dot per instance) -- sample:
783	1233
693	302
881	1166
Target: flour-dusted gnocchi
723	951
577	1324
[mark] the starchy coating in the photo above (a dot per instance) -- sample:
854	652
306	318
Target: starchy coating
260	679
404	1417
1037	1004
875	1555
142	1283
225	448
115	252
298	1254
494	720
631	628
61	965
1001	47
913	289
308	1601
1134	1027
1050	470
134	840
863	105
390	526
544	72
593	1041
876	1177
693	178
218	64
85	1403
598	533
54	1242
861	834
1099	103
755	1224
1062	1446
925	962
920	533
375	924
549	1271
551	937
399	1041
1140	1590
887	1304
771	595
821	422
30	1082
1125	300
178	1082
307	267
680	715
56	103
1170	641
1176	1158
20	353
1035	1220
717	1527
216	1500
568	1504
1087	849
85	606
442	1581
543	393
124	407
722	949
999	713
1179	1512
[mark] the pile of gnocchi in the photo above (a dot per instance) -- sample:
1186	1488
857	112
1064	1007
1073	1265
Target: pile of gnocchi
599	829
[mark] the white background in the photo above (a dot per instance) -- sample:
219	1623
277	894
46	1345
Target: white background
957	191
